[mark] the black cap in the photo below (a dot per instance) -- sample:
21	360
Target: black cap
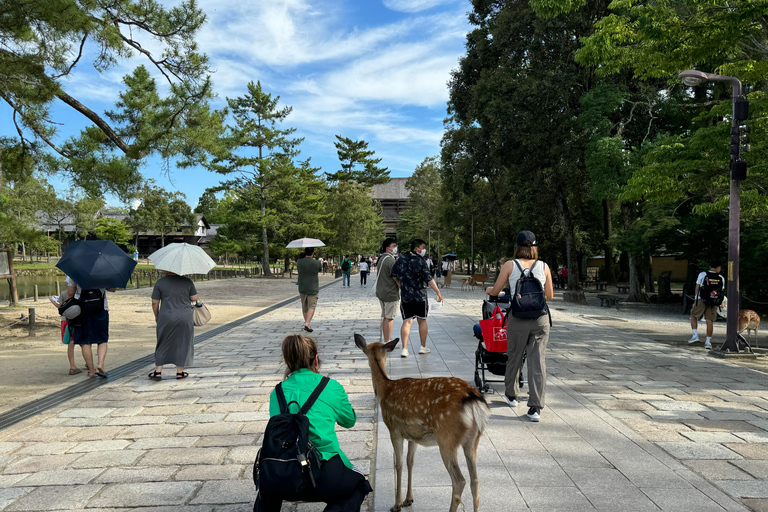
526	239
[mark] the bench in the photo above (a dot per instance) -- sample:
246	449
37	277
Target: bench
623	288
600	286
609	300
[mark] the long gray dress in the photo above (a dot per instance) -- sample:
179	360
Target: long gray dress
175	323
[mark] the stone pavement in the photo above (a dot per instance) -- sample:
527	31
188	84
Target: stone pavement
630	424
136	444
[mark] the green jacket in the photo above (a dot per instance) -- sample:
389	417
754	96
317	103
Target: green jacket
331	407
342	265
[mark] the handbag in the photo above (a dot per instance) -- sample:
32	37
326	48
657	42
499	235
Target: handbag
201	314
494	331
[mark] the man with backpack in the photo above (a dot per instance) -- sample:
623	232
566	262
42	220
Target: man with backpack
346	270
709	295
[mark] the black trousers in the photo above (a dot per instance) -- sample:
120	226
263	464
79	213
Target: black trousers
363	277
343	490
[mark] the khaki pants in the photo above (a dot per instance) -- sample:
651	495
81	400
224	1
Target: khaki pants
530	337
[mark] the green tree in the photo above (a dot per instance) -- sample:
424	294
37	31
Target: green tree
260	153
357	163
114	230
160	212
44	42
355	222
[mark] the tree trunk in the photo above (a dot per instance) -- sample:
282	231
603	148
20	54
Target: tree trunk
610	274
570	244
264	240
629	210
162	240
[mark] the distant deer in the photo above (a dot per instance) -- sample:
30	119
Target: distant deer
441	411
750	321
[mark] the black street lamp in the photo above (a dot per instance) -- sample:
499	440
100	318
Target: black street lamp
692	77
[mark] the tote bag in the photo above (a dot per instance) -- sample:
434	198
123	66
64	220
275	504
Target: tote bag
495	331
201	314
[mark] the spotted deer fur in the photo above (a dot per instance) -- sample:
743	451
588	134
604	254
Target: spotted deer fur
749	321
442	411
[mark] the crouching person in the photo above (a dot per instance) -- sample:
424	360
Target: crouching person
300	459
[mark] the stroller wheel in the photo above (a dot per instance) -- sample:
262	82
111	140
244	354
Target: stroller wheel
478	382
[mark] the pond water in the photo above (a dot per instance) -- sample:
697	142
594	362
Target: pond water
26	286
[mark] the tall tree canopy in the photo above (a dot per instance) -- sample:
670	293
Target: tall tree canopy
357	163
43	42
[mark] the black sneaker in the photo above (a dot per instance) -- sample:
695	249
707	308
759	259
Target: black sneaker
533	414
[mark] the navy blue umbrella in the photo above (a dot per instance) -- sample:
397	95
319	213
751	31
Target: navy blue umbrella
97	264
450	257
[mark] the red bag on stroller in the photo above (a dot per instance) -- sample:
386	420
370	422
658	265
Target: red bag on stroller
495	331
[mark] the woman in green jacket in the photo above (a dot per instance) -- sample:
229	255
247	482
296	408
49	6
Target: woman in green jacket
342	486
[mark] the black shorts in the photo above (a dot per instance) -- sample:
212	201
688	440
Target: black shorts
413	310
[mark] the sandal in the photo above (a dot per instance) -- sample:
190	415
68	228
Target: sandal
75	371
156	375
101	373
182	375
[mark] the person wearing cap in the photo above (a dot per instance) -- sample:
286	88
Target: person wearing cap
526	336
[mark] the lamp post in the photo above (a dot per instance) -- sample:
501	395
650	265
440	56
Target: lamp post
691	78
472	239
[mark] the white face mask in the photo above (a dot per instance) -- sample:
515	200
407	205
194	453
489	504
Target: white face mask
393	250
423	252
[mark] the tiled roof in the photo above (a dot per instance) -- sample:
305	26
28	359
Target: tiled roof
395	189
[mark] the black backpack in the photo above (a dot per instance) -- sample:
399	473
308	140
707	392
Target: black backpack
711	291
287	461
91	301
345	265
528	301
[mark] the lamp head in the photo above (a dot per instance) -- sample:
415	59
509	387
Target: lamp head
692	77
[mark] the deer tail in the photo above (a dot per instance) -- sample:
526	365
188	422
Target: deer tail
476	410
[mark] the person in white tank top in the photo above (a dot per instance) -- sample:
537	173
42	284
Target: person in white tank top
526	336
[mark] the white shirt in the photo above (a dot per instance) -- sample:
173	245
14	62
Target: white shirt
363	266
446	265
71	282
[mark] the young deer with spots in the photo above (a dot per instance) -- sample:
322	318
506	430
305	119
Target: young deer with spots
441	411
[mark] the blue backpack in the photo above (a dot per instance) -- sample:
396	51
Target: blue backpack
528	300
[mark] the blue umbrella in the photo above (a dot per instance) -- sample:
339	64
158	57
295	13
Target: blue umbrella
97	264
450	257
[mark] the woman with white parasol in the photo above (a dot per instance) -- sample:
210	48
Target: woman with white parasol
172	300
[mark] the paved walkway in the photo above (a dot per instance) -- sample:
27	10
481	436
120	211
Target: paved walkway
630	424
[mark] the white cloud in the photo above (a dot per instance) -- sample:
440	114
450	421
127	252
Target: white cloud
414	5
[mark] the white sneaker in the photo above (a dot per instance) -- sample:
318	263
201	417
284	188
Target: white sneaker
533	414
424	350
708	345
512	402
694	339
404	353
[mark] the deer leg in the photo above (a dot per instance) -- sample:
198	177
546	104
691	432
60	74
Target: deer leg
470	452
397	445
448	453
409	461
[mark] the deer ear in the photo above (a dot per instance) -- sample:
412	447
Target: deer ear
390	346
360	342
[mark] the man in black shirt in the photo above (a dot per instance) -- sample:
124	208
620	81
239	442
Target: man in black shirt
411	274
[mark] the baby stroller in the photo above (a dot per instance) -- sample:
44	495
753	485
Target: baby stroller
494	362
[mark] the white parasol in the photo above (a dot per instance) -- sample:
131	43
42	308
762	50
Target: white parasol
182	259
301	243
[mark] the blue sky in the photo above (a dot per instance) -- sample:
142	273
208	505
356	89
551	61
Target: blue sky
368	69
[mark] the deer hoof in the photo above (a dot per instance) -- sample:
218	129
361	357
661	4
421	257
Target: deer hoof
408	503
396	508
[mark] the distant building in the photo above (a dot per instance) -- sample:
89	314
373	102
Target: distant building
394	200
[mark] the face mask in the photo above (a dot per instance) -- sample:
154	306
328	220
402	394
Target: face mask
423	252
394	250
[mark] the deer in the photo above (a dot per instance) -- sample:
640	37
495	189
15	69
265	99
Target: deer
443	411
749	321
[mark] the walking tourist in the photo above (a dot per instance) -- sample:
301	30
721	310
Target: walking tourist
66	330
709	296
92	325
338	483
363	272
387	290
446	274
346	271
528	322
309	285
172	299
412	277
